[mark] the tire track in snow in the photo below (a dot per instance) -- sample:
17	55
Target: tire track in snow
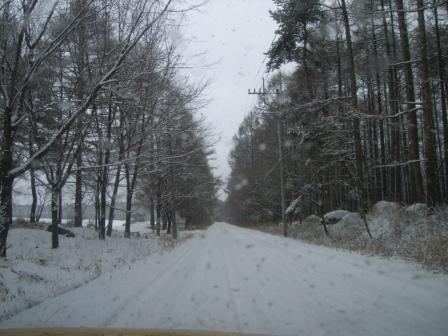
384	310
130	300
279	286
231	294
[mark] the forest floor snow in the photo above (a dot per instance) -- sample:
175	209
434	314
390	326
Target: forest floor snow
34	272
234	279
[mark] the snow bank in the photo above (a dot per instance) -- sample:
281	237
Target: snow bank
34	272
411	232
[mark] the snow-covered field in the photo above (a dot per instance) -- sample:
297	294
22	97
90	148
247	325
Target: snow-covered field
34	272
228	278
118	224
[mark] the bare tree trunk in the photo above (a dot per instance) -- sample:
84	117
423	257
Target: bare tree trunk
433	192
151	213
339	72
5	210
127	227
168	221
102	205
378	147
6	180
54	216
164	219
356	122
82	58
97	203
33	195
78	192
442	96
130	187
105	180
172	212
113	201
415	178
173	219
60	207
439	148
158	214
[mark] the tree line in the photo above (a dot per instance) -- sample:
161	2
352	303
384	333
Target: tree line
91	96
362	118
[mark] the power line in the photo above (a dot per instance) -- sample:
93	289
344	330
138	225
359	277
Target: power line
264	60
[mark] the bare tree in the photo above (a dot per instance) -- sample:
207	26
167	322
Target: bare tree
29	33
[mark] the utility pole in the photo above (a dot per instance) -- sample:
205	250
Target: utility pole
263	93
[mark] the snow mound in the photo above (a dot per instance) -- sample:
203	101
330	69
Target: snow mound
385	207
335	216
420	209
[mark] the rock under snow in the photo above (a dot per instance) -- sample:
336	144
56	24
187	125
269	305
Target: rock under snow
418	209
295	207
385	207
350	226
61	231
384	219
335	216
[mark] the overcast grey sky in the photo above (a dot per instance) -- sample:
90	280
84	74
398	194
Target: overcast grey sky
232	35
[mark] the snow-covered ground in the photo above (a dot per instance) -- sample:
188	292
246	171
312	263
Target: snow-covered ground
118	224
228	278
34	272
413	232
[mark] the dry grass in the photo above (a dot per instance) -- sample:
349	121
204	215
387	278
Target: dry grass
170	243
432	252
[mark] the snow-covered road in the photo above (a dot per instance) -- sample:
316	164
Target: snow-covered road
228	278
